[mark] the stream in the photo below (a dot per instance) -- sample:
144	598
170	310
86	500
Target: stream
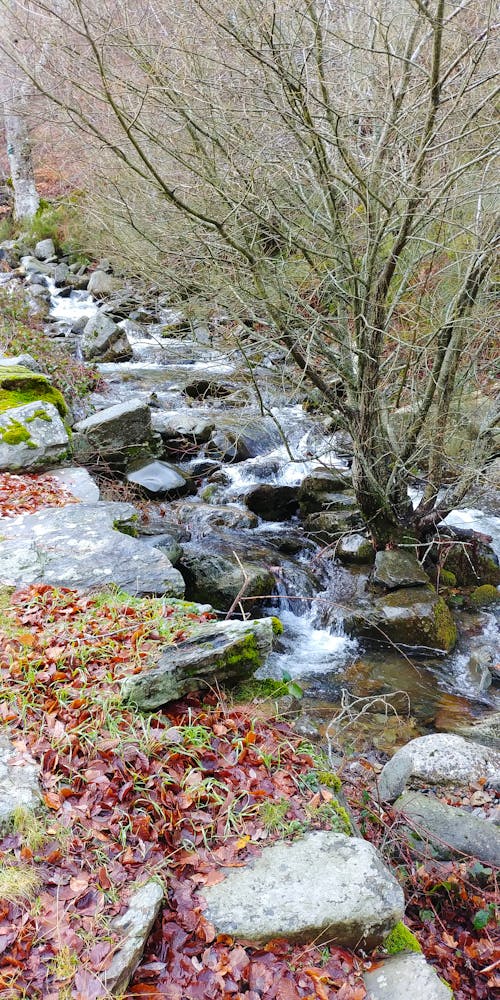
287	443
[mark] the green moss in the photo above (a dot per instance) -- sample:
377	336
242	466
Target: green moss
401	939
245	651
483	596
335	815
16	433
254	688
446	630
19	386
126	529
278	627
330	779
447	578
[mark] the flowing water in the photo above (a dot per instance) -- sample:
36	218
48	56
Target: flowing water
314	649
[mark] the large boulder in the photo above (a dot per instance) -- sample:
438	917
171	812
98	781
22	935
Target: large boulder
78	546
161	480
437	759
20	385
216	652
32	437
19	787
396	568
272	503
103	340
405	975
324	887
202	518
102	284
218	578
194	426
414	617
318	491
449	830
122	434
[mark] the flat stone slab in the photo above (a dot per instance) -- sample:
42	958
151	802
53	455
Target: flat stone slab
217	652
133	928
19	786
324	887
406	976
397	568
79	482
32	437
449	829
437	759
78	546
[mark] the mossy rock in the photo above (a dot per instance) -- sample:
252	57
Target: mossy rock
401	939
473	564
414	617
483	596
19	386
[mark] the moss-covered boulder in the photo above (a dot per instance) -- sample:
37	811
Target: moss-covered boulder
216	652
484	596
32	437
20	385
413	617
473	562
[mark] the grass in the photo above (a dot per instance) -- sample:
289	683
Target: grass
18	884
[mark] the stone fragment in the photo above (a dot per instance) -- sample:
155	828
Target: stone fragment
160	479
133	927
324	887
397	568
102	284
216	652
79	482
403	976
32	437
19	788
103	340
77	546
437	759
449	830
45	249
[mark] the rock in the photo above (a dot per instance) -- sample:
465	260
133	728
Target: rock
485	596
102	284
133	928
193	425
79	482
479	667
21	361
77	546
315	489
327	527
414	617
218	578
272	503
19	786
104	341
237	438
121	433
45	249
216	653
159	479
486	732
437	759
324	887
202	518
396	568
19	385
32	437
448	829
403	976
167	543
472	560
30	265
304	726
61	275
355	548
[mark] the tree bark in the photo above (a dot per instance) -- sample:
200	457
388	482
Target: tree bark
26	200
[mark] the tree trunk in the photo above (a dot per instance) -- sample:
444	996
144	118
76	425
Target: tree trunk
26	200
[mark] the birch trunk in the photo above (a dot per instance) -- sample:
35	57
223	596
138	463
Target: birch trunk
26	200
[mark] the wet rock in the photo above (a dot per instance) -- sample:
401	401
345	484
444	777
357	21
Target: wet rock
202	518
324	887
216	653
202	388
30	265
19	788
356	549
104	341
78	546
218	579
272	503
121	433
167	543
472	560
237	438
396	568
479	667
327	527
102	284
32	437
486	732
405	975
159	479
413	617
320	489
193	425
133	928
449	830
437	759
45	249
61	275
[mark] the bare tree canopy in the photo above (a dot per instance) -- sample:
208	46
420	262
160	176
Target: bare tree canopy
323	170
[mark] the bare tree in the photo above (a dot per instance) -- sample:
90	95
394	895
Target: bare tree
325	171
15	90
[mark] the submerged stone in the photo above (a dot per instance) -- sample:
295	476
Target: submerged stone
324	887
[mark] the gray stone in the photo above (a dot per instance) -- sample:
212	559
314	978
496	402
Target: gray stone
355	548
397	568
237	438
21	361
448	829
102	284
61	275
326	527
219	578
32	437
77	546
79	482
415	617
324	887
195	425
30	265
103	340
121	432
45	249
437	759
202	518
403	976
486	732
216	652
159	479
19	788
319	486
133	928
272	502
